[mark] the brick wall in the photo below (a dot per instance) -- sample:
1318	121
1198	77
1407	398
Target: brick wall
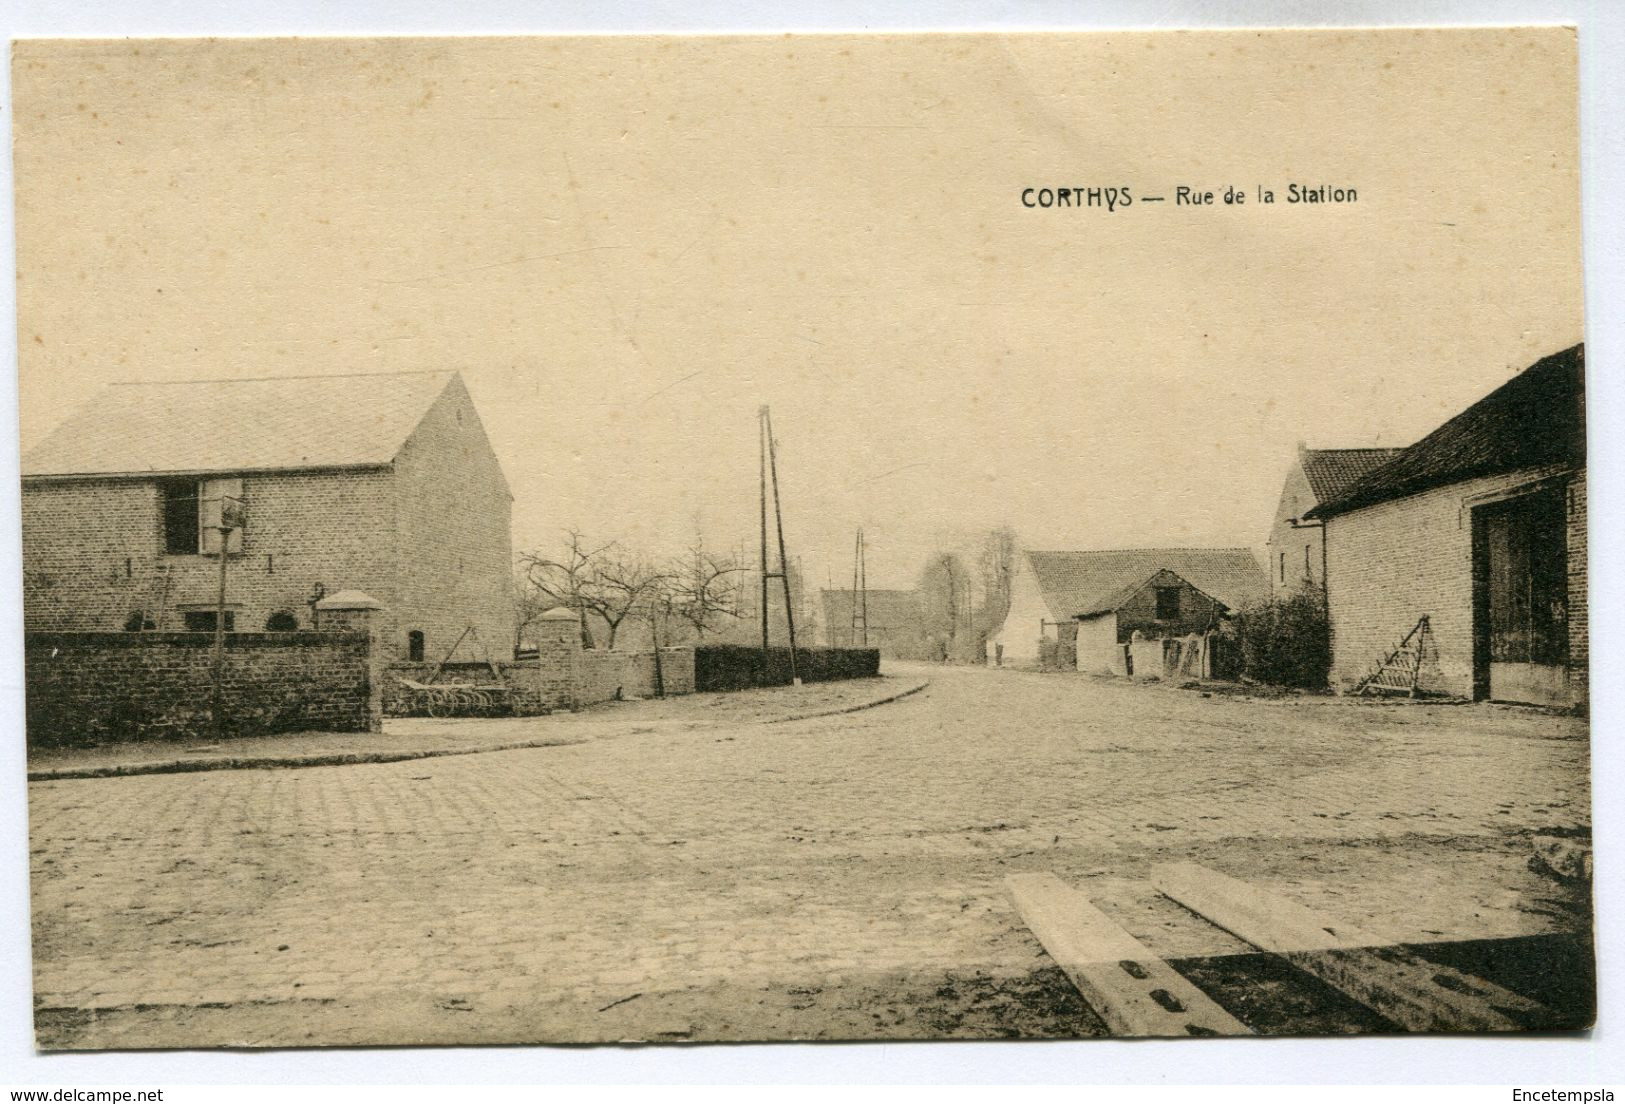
599	676
602	676
559	677
1389	564
428	538
454	545
676	672
106	686
1197	611
93	550
540	685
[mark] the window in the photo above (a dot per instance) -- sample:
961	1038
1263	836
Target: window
1168	603
138	621
1308	572
1283	567
180	516
191	515
280	621
414	645
203	621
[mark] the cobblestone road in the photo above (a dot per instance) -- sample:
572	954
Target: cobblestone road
515	895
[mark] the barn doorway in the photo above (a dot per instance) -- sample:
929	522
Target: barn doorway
1520	622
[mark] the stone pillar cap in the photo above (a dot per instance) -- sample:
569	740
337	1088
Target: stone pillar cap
349	600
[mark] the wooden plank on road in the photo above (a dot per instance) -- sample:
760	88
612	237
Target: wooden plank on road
1414	993
1132	989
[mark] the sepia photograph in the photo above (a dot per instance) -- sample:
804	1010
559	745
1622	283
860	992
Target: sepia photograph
691	539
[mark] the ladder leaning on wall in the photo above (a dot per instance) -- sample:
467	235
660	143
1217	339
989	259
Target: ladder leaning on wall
1401	671
161	601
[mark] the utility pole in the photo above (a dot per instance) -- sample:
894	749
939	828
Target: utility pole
761	432
231	517
770	471
860	595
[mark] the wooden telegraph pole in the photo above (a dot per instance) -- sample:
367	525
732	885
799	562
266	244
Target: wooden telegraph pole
761	432
231	517
770	471
860	595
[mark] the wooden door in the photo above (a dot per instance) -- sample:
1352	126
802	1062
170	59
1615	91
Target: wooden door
1525	576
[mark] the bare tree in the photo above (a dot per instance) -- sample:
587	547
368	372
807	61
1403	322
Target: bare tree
942	591
620	585
568	579
996	559
704	588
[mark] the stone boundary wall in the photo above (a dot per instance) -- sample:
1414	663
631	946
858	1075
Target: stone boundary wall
559	677
98	687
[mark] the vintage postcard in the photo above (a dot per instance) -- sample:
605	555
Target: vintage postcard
847	537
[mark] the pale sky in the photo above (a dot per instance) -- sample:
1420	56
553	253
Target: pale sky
628	244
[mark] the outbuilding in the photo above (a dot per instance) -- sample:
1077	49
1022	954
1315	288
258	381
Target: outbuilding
1062	600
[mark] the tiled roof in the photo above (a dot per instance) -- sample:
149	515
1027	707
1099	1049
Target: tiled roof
1534	420
1077	584
886	609
239	425
1332	471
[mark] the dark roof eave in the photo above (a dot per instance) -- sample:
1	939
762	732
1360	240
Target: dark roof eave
1349	505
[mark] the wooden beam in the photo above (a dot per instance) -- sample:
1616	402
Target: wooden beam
1414	993
1129	986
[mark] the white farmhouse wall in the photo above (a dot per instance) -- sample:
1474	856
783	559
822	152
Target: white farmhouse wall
1024	624
1099	653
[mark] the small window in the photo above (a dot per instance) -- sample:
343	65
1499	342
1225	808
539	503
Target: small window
1283	567
180	516
138	621
1168	603
414	645
280	621
1308	572
203	621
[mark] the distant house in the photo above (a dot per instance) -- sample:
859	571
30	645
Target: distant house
1159	591
1481	528
1295	554
893	621
379	483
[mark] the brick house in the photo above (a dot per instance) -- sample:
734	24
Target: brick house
1480	527
1295	554
385	484
1157	591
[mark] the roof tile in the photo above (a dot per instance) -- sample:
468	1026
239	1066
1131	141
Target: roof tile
1535	419
1077	584
239	425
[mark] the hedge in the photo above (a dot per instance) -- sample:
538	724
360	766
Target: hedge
740	667
1287	641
